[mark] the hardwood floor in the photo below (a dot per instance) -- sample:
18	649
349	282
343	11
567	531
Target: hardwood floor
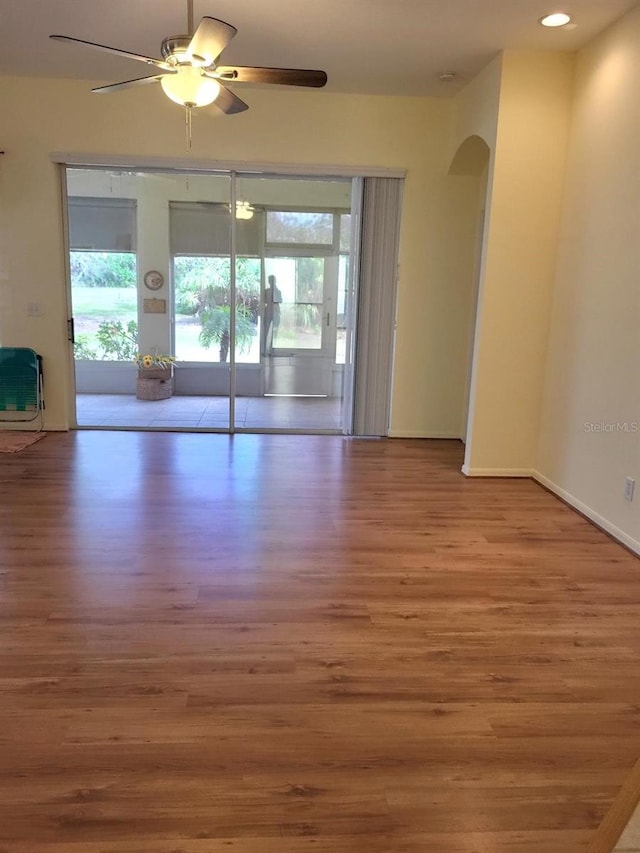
286	644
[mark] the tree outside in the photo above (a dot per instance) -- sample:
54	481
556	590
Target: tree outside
203	306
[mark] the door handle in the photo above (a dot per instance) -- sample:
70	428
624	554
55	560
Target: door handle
328	317
71	331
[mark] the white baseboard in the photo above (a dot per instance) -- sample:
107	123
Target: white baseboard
496	472
599	520
403	433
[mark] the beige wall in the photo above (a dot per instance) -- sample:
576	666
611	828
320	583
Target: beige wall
523	210
42	116
593	369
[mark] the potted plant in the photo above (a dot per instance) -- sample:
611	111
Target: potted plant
155	376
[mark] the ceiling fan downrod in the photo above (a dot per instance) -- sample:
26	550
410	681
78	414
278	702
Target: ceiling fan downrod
190	28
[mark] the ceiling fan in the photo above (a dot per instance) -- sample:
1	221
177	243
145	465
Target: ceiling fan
189	72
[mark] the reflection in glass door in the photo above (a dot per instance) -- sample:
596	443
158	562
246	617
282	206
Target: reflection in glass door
300	325
306	286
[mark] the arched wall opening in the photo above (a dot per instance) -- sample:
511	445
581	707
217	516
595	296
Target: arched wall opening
471	161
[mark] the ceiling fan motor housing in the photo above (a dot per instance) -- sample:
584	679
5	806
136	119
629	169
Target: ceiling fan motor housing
175	50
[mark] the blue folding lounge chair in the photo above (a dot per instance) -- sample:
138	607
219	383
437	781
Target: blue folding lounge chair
21	397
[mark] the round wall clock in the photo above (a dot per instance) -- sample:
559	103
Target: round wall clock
153	280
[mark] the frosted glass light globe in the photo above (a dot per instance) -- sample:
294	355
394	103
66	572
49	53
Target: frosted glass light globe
189	88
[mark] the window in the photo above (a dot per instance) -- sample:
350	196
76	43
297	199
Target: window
102	237
200	237
291	227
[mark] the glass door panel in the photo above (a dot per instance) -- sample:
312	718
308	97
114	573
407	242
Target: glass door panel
150	261
300	374
104	273
294	304
200	248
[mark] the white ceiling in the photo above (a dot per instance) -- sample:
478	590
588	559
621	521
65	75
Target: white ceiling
367	46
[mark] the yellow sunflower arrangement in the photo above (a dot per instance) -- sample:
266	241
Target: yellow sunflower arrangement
147	360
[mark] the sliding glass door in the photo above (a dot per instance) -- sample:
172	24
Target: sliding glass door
236	286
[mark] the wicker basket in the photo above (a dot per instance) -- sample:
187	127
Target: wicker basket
154	383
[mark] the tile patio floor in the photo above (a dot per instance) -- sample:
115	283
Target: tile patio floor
178	412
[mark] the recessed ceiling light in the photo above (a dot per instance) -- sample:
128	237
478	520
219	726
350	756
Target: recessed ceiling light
556	19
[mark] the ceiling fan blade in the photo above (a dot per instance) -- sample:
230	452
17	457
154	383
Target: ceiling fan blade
159	63
282	76
229	103
210	39
127	84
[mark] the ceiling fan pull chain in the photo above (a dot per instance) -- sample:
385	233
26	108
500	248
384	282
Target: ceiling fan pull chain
188	125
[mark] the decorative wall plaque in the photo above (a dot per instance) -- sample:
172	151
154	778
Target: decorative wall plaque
155	306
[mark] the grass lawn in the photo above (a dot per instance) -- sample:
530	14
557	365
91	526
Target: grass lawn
95	305
105	303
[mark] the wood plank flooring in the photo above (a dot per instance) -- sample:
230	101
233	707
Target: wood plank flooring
287	644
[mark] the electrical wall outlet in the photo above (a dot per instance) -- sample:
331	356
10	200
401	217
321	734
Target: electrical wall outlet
629	487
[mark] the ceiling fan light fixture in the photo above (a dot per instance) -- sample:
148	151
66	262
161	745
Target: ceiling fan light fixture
190	88
555	19
244	210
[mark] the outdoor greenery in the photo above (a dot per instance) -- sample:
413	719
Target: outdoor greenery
116	341
288	226
215	328
82	348
198	279
103	269
105	301
95	304
119	342
203	290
